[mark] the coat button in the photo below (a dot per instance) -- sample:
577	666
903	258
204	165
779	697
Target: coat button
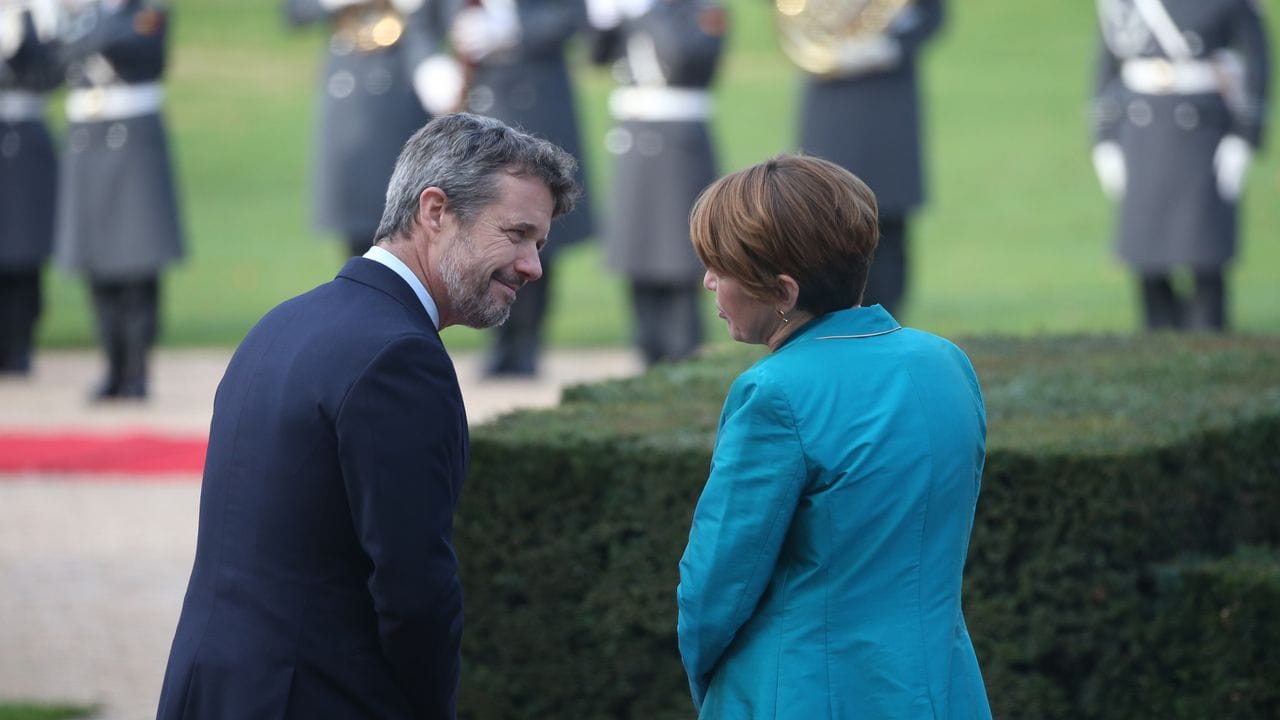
1139	112
1186	116
117	135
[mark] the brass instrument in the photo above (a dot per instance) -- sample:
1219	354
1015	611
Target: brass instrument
369	26
811	32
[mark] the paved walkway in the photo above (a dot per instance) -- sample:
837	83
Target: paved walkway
92	569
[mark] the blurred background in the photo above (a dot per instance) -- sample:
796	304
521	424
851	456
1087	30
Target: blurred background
1015	236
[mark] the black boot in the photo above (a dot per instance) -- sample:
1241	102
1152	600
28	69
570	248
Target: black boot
138	331
1208	307
19	309
1162	309
107	311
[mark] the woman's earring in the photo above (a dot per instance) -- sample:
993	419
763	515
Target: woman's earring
782	316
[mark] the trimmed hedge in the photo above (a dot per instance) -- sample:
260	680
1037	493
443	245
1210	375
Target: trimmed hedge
1110	459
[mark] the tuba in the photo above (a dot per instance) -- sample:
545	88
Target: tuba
811	32
368	26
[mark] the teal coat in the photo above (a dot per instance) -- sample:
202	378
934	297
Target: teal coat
822	576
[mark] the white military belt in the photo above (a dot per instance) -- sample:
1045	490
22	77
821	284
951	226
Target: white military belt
659	103
20	106
114	102
1157	76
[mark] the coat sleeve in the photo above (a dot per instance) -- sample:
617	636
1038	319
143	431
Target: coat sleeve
1250	38
1106	109
401	438
132	38
757	473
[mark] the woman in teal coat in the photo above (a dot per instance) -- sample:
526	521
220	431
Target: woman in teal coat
823	572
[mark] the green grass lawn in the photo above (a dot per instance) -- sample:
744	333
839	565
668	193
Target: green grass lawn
1015	239
28	711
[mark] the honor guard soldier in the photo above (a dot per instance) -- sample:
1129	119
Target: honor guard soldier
117	220
1177	114
514	54
28	164
860	109
377	54
665	55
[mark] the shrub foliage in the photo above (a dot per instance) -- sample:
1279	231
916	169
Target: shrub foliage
1106	576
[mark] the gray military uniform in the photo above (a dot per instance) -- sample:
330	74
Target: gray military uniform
1172	214
117	219
367	110
869	124
118	213
528	86
28	162
663	158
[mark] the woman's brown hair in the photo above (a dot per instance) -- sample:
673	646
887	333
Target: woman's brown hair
794	215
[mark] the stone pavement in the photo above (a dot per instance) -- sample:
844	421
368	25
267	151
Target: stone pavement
92	568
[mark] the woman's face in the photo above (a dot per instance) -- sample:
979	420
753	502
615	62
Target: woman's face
750	320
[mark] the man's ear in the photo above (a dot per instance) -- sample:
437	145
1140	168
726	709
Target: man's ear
788	293
432	205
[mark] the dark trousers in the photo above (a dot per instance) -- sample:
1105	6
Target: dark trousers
518	342
668	320
1204	307
887	282
19	310
128	315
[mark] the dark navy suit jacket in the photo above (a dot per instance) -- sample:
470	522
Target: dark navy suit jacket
325	582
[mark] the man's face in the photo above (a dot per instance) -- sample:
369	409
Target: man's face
488	261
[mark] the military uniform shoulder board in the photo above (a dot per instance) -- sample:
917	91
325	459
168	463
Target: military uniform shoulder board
712	19
149	20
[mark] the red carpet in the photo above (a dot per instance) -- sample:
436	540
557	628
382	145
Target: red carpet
132	453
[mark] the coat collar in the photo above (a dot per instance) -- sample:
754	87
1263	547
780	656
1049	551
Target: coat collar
850	324
380	277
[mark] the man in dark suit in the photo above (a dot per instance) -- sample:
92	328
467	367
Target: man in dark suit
325	582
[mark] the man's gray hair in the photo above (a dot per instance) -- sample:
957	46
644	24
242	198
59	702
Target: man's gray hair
465	155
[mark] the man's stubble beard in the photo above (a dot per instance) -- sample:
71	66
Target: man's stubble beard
468	291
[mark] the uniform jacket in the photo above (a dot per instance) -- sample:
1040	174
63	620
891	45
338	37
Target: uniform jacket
118	215
325	582
366	110
529	87
28	161
870	124
1172	213
822	576
660	167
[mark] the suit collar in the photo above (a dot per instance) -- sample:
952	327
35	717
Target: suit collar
380	277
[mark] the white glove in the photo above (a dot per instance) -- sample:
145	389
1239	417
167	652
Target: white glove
1108	163
481	31
11	31
604	14
1231	165
867	55
438	84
